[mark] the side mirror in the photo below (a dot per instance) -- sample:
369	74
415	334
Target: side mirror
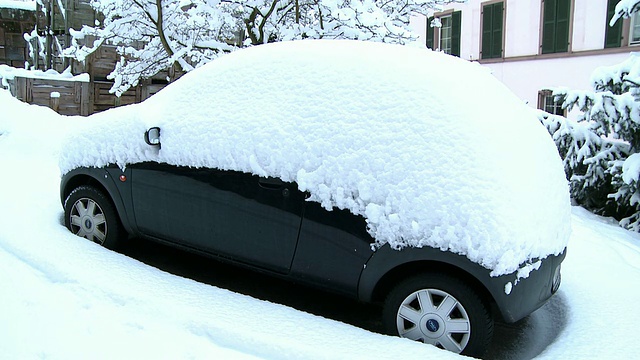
152	136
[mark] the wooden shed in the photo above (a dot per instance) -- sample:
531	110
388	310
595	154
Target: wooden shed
16	18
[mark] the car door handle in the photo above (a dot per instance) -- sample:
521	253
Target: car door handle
274	184
270	183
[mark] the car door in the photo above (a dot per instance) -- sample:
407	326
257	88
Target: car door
233	214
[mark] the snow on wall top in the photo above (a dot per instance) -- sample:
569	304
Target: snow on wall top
8	72
432	150
18	4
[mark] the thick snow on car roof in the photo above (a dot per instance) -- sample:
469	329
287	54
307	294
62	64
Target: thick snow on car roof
432	150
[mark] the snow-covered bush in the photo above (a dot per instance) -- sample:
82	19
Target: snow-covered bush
587	159
601	150
153	35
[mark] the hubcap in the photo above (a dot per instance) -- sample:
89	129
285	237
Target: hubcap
88	221
434	317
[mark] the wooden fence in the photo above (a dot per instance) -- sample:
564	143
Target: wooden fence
75	97
72	99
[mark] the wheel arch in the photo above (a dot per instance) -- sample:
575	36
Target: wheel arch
387	267
100	179
80	180
403	271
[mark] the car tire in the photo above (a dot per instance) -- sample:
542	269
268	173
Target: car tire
88	213
441	310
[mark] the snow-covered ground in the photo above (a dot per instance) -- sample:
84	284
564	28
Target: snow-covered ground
66	298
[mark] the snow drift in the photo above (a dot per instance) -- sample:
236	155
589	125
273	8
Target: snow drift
432	150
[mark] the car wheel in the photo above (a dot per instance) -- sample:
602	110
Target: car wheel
440	310
89	214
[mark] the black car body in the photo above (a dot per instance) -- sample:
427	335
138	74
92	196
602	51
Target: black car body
266	224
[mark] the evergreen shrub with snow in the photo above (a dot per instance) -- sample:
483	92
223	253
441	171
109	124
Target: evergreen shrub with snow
601	150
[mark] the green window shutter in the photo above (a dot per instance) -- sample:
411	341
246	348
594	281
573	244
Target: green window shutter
487	38
563	22
548	26
613	34
492	30
456	24
498	11
555	26
430	33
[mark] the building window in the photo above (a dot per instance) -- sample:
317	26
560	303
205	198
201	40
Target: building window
492	23
547	102
445	33
634	32
555	26
613	34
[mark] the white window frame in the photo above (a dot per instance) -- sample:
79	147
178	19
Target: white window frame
635	24
446	33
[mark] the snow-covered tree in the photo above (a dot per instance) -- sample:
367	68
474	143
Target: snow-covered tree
601	150
587	157
153	35
278	20
631	68
625	8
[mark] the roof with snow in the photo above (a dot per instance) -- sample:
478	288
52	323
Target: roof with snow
432	150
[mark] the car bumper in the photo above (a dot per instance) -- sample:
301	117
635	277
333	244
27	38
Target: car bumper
521	293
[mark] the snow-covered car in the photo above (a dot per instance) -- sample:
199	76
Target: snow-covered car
391	174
